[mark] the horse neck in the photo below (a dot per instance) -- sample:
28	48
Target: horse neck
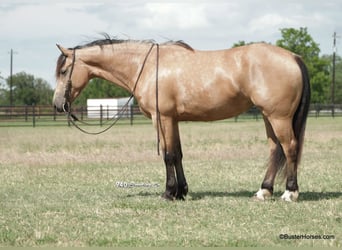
117	63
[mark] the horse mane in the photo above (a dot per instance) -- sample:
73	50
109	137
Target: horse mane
108	40
180	43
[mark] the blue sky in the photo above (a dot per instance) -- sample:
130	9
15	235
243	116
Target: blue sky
32	28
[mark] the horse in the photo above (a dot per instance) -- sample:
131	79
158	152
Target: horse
172	82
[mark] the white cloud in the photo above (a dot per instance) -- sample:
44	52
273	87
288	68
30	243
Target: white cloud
182	16
48	20
271	21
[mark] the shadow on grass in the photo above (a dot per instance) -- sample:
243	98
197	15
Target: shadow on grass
303	196
144	194
200	195
316	196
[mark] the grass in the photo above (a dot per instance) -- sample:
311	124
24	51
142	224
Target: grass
59	187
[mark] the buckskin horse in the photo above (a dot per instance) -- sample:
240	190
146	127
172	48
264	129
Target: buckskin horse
172	82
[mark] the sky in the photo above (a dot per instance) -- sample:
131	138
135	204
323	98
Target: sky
32	28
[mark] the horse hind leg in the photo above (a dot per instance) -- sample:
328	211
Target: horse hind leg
275	163
284	132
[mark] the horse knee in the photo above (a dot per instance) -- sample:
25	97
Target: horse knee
169	158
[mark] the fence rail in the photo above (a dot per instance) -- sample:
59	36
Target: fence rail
33	116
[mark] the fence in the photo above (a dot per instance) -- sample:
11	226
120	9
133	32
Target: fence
33	116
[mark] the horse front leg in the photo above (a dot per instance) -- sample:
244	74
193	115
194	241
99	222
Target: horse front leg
171	187
182	184
175	188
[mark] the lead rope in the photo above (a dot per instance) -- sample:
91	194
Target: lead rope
157	102
73	119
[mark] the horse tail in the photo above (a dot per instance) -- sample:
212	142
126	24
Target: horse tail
299	119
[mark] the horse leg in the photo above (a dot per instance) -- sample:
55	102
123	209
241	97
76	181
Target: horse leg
284	131
168	130
182	184
171	182
275	162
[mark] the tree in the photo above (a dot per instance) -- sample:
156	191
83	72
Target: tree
99	88
338	80
3	91
28	90
243	43
300	42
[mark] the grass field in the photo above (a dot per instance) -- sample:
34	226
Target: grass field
59	187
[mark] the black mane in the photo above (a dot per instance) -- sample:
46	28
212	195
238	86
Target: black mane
109	40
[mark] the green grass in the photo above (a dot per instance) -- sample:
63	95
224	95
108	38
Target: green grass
58	187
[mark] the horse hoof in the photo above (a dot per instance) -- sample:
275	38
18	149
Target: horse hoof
262	195
182	192
290	196
180	197
168	197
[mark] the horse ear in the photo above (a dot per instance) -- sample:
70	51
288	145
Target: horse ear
64	51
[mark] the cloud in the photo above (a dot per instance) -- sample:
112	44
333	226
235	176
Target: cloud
183	16
271	21
36	21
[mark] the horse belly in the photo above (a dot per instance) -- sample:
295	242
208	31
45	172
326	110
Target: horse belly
211	109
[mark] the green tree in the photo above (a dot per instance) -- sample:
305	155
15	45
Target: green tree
99	88
3	91
338	80
300	42
28	90
243	43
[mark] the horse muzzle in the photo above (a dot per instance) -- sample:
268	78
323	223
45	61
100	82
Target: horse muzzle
61	105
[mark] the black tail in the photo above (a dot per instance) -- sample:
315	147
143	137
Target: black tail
299	119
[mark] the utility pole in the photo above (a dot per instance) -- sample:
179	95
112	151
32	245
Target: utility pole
11	77
333	76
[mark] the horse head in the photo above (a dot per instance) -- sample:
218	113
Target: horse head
72	75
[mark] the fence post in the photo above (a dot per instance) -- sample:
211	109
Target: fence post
101	115
54	114
26	113
81	113
131	115
107	112
34	115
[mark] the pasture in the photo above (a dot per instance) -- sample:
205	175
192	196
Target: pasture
59	187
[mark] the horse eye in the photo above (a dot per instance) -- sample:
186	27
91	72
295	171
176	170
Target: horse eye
63	71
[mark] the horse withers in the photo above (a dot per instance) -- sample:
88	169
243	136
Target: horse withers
172	82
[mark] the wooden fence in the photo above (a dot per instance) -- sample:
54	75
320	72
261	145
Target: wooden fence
33	116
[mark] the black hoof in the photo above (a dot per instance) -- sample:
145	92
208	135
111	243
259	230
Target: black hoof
182	192
180	197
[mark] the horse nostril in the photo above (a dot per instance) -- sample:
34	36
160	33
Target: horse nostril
66	107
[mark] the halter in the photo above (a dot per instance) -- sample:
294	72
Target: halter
67	93
73	119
